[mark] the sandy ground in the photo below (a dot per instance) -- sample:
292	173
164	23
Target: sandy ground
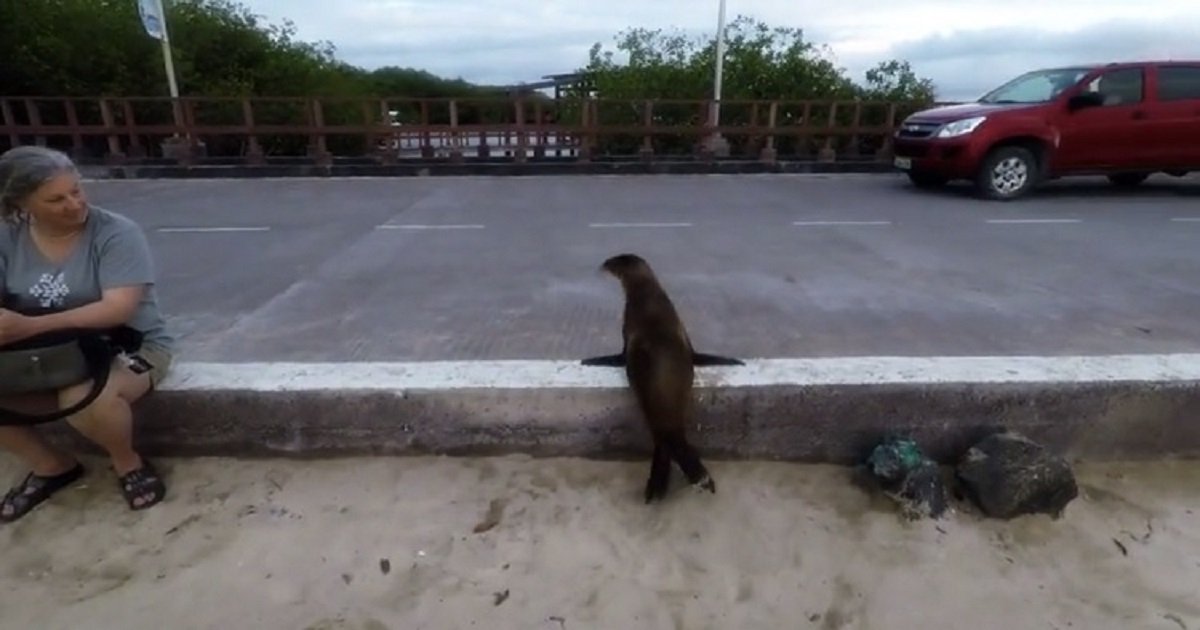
409	543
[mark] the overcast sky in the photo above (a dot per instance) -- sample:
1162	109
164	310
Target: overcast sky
965	46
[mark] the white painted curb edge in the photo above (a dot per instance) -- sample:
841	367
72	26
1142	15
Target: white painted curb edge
537	374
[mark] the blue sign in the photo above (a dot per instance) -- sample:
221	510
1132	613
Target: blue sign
152	19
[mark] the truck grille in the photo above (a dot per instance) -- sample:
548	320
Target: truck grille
917	129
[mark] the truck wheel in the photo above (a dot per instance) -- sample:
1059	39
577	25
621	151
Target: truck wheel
1007	173
1127	180
926	180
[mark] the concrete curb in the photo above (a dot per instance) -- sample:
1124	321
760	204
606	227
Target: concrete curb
496	168
818	410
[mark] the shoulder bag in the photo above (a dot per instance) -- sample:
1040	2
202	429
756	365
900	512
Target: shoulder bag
58	359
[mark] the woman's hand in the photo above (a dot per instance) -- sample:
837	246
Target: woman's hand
16	327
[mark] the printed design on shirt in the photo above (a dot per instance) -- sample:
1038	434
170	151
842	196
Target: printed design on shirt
51	290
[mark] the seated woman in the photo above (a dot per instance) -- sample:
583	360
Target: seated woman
93	268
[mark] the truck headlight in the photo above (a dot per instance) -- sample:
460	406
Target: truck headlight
960	127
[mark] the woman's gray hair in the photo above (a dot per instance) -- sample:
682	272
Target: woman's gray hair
23	170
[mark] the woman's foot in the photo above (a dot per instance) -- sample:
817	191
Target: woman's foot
34	490
142	487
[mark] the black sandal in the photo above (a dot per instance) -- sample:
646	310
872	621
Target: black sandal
34	490
138	483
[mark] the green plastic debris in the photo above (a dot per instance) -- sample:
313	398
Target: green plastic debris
905	474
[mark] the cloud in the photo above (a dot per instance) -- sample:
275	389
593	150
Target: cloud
965	46
488	58
967	63
487	41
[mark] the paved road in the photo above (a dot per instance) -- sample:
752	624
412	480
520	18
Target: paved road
760	266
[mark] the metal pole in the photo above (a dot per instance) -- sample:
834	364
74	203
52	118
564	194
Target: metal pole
717	143
716	110
169	62
166	45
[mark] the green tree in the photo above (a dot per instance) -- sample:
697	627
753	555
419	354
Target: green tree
73	47
220	48
762	63
401	84
895	81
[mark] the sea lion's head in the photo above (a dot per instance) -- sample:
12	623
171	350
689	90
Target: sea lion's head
625	266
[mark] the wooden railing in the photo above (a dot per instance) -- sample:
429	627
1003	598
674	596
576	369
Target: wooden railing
267	129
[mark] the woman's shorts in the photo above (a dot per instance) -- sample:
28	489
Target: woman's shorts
158	358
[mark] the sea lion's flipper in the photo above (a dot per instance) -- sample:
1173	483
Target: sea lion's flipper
660	473
689	462
703	359
700	359
608	360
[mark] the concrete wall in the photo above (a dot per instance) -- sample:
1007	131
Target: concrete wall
820	410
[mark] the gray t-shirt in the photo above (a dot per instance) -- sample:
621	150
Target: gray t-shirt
112	253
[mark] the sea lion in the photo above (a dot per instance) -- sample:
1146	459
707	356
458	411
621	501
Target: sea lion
658	361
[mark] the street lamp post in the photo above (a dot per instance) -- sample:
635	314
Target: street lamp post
168	62
154	19
717	143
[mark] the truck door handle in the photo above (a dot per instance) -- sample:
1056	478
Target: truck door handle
1139	115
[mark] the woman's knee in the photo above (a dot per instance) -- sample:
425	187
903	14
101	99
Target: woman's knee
101	406
123	387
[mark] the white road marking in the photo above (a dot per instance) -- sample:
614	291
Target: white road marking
638	225
1018	221
462	226
465	375
815	223
261	228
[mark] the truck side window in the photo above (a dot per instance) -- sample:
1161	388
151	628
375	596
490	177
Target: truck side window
1119	87
1179	83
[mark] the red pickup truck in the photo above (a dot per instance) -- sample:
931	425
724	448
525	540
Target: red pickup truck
1122	120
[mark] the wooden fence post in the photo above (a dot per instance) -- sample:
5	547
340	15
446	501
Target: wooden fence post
646	153
456	154
885	150
115	155
522	141
768	154
10	121
828	153
254	151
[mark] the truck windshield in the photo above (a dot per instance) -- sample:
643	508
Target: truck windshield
1035	87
